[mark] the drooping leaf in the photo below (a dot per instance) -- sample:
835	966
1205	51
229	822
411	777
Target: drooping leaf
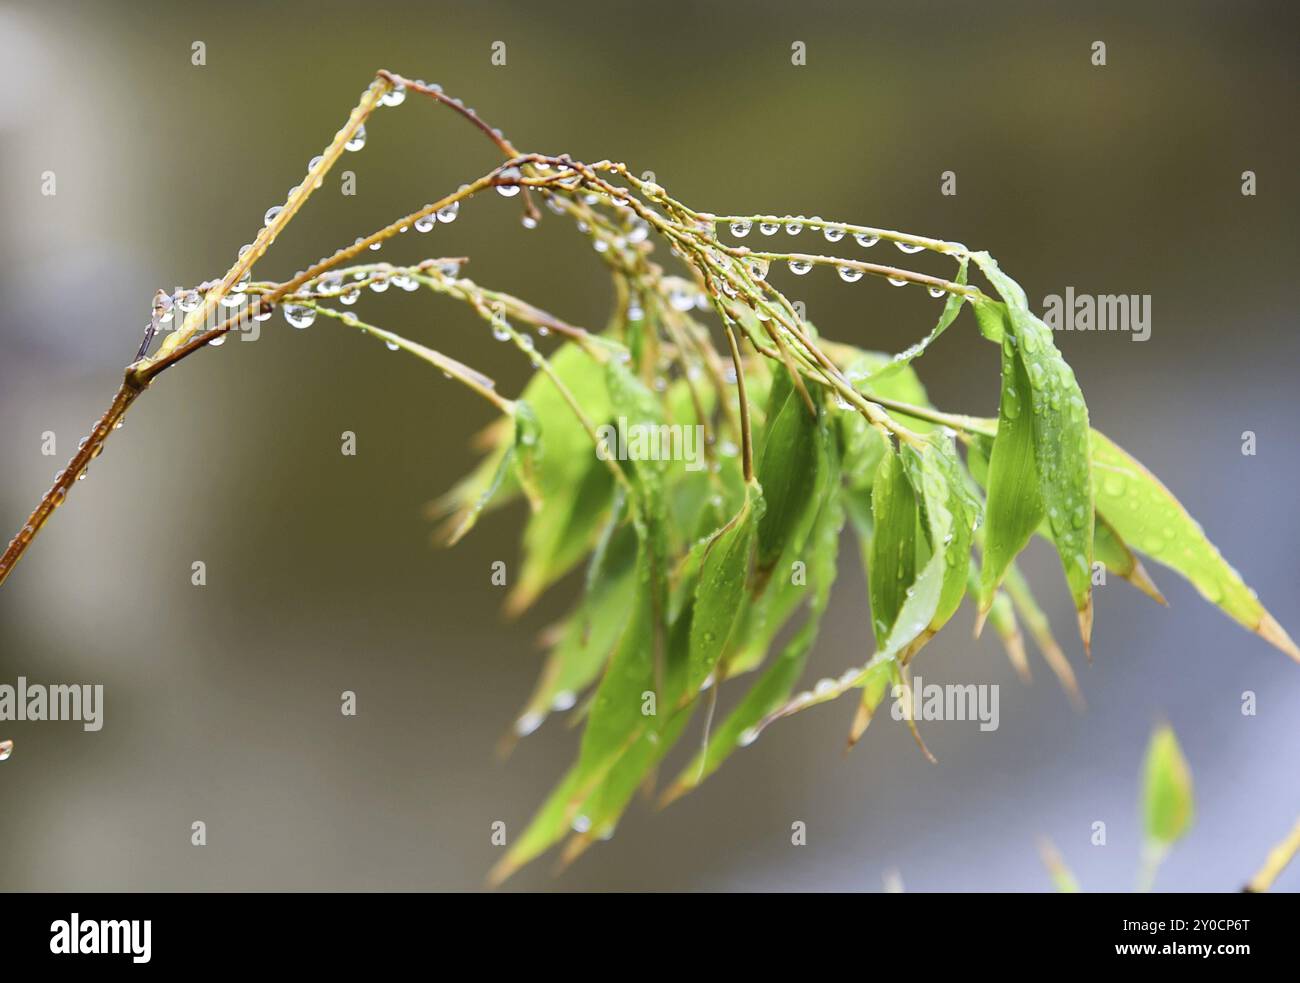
573	484
787	471
1060	430
949	511
527	451
1062	878
591	632
951	308
1040	630
777	681
891	570
911	606
1014	506
1148	517
546	829
1114	553
721	591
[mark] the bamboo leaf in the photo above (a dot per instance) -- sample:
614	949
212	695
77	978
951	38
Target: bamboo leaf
951	308
788	474
1040	630
721	591
1060	433
527	451
573	484
1062	878
1148	517
777	681
1014	506
909	599
1114	553
950	512
891	570
589	635
1167	803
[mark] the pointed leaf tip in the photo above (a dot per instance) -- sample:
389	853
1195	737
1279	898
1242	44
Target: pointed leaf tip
1275	634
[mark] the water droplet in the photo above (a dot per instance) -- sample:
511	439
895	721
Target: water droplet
1010	403
299	316
271	214
799	266
937	292
162	307
510	174
380	283
189	301
448	212
865	239
909	247
1113	484
349	297
740	228
581	824
358	139
768	228
747	737
681	299
6	747
793	228
849	274
823	687
564	700
528	723
392	346
424	223
897	281
394	96
833	235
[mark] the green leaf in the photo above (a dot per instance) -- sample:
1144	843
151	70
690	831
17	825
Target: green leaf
1015	505
1114	553
527	450
777	681
591	632
951	308
573	484
1148	517
1167	804
721	591
1040	630
788	474
546	829
1060	433
904	601
891	570
949	510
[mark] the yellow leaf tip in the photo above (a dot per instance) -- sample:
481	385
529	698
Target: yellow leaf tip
1273	633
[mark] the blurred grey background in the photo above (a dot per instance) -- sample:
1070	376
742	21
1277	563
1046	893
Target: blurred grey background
223	702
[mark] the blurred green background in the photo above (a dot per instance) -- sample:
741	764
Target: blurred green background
223	702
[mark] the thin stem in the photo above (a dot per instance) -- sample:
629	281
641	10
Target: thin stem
1276	862
476	381
747	441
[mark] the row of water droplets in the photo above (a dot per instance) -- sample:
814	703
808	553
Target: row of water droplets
771	225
